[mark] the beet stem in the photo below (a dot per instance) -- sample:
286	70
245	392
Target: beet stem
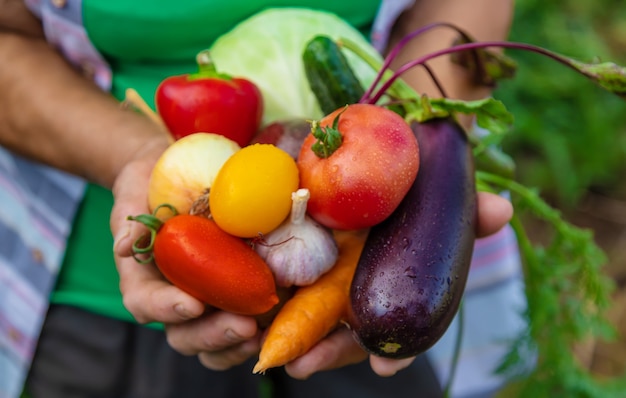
470	46
400	45
435	80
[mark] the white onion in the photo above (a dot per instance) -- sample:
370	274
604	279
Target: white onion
186	170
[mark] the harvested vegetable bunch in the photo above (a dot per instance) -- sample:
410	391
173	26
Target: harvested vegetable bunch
567	271
195	255
210	101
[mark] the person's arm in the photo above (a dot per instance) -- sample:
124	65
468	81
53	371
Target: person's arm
51	113
482	19
15	17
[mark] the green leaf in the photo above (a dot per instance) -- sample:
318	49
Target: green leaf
568	295
608	75
491	114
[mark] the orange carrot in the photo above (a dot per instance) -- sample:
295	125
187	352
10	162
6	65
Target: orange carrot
314	310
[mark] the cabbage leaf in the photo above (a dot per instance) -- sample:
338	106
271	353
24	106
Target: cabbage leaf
267	49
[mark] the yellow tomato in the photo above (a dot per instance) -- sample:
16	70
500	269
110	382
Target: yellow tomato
251	194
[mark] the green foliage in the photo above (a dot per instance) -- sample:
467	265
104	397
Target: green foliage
567	294
568	134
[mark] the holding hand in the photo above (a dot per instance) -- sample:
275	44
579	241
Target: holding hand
222	339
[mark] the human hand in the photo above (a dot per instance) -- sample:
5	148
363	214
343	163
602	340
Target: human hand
340	348
220	339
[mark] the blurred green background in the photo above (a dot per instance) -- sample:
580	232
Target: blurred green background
569	138
569	135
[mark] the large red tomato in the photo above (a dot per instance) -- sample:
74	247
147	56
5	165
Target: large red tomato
358	164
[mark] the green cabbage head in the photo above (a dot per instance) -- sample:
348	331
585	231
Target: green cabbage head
267	49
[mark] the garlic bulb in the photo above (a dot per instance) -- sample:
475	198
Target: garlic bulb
300	250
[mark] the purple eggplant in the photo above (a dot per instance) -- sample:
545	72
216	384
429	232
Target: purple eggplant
412	273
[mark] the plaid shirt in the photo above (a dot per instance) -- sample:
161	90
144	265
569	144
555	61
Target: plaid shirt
38	206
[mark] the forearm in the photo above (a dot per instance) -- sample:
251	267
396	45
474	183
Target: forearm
52	114
15	17
481	19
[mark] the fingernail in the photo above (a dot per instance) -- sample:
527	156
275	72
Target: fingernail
182	311
231	335
121	235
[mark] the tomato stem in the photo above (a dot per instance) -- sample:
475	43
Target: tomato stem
153	223
205	62
329	138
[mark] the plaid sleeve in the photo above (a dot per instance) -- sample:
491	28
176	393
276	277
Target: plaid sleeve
36	213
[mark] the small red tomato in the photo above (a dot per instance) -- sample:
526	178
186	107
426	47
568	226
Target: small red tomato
221	270
358	164
210	102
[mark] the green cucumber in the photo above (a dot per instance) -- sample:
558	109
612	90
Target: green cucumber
330	76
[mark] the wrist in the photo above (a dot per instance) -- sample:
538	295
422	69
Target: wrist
141	142
481	19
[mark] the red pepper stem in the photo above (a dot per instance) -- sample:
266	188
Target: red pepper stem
206	66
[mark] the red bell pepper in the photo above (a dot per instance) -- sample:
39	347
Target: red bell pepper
210	101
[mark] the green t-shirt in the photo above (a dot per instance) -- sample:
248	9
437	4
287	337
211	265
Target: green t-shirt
145	41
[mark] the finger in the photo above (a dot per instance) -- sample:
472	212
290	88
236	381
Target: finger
233	356
213	332
494	212
151	298
337	350
387	367
146	293
130	193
